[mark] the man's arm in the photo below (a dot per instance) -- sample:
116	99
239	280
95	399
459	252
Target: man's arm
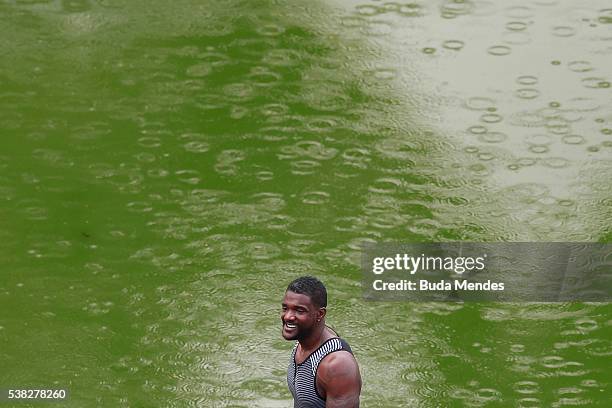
338	380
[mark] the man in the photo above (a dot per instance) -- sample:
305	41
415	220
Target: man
322	371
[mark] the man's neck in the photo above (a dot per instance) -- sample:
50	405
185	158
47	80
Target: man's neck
316	339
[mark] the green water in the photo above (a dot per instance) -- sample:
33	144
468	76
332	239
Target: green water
166	168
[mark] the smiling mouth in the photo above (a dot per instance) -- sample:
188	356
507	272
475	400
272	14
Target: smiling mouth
290	326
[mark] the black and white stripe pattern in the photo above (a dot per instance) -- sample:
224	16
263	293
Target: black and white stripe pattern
301	378
325	349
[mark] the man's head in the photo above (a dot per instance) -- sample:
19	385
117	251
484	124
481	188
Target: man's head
303	308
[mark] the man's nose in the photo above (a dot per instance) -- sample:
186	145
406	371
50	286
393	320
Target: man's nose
288	315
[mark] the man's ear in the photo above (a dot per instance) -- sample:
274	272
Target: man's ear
322	312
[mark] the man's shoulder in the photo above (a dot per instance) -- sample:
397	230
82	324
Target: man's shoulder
334	363
339	363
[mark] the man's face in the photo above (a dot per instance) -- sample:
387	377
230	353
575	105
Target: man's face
299	316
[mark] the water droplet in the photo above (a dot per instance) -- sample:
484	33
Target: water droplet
527	93
558	126
586	324
454	45
196	147
353	21
145	157
454	9
516	26
149	141
579	66
214	59
480	103
384	74
539	140
563	31
368	10
499	50
198	70
195	142
589	383
595	82
356	157
391	6
529	402
281	57
262	77
385	185
188	176
492	137
538	149
238	112
491	118
479	170
486	156
526	161
139	206
409	10
527	80
270	30
304	167
262	250
238	91
556	162
527	387
605	16
488	394
401	149
315	197
157	173
477	129
377	28
274	109
573	139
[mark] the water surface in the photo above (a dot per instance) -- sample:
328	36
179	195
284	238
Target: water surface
167	170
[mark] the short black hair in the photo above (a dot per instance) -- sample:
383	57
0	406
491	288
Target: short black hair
312	287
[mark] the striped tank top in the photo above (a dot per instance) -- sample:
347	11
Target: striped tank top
301	378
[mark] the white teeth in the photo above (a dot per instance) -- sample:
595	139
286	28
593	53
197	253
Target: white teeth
290	325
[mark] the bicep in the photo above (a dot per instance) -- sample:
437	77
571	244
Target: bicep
342	382
346	401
